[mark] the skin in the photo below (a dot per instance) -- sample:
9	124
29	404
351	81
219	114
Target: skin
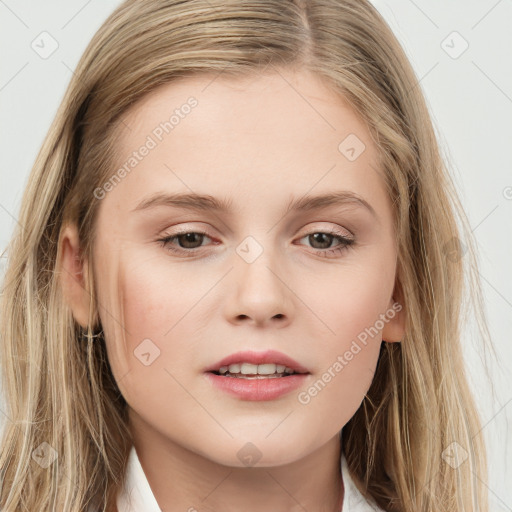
259	142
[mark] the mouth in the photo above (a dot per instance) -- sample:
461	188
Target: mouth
257	376
244	370
250	365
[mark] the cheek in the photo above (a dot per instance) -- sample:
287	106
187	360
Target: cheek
150	353
351	304
156	298
350	301
347	359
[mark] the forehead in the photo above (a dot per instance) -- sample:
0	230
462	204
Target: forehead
244	136
257	106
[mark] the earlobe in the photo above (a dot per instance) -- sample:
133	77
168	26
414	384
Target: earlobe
73	275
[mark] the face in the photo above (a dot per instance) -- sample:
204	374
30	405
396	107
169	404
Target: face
257	265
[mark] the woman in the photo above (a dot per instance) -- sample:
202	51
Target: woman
290	141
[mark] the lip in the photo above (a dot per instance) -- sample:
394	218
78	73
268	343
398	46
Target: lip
268	356
257	389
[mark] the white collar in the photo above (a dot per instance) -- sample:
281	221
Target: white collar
137	495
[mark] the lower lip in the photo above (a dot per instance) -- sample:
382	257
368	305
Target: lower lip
257	389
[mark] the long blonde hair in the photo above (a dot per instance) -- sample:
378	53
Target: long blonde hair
66	440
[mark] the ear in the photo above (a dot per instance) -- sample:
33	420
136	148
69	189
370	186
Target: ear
394	328
73	275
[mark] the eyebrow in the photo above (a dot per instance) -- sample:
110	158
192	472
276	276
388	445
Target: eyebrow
205	202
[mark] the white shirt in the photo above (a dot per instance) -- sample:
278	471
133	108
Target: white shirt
137	496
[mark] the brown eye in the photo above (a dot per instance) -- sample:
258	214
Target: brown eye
186	242
321	241
324	240
190	240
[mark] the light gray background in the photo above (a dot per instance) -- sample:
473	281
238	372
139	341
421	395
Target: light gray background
470	98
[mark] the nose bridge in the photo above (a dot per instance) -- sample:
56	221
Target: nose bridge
259	289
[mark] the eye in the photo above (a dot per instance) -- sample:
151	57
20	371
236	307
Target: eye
324	239
187	241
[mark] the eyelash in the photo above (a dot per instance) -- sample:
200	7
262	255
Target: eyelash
345	243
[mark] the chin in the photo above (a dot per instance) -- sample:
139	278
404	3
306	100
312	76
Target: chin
259	451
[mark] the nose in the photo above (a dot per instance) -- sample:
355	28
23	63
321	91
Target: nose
259	294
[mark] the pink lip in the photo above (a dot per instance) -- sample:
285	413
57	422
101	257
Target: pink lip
269	356
257	389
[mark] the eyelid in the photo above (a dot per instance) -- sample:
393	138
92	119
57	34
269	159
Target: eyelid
335	230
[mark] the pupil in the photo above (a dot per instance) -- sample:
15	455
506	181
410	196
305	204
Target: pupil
315	236
189	239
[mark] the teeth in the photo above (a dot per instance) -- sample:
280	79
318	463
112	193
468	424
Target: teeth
251	377
246	369
267	369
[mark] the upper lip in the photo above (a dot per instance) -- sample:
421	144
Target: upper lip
268	356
